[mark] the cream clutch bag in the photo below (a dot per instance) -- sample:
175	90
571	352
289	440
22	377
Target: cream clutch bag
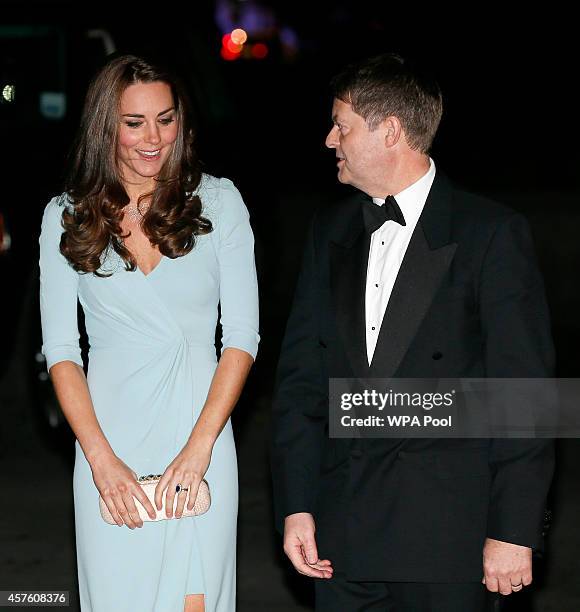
148	484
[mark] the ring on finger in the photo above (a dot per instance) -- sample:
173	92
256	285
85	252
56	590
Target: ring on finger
179	489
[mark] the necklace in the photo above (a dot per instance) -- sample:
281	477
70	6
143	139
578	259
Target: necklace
134	213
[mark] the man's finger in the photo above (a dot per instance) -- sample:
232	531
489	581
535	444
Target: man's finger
323	563
505	586
321	575
310	550
296	558
307	570
321	567
491	584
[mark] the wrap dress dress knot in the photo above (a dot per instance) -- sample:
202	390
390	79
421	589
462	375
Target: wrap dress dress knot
151	361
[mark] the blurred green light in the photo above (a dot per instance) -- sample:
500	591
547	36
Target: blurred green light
8	93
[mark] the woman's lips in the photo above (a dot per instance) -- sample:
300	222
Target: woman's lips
149	155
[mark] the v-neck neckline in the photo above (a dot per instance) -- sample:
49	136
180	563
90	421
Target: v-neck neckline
138	268
152	269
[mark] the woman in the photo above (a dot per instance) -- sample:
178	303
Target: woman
150	246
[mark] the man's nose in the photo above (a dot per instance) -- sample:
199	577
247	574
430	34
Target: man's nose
332	139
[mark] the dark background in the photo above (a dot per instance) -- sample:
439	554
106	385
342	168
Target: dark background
509	131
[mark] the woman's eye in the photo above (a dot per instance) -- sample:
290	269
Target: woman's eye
136	124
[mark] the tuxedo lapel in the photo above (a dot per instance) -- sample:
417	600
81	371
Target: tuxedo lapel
426	261
348	271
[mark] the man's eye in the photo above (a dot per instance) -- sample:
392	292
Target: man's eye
133	124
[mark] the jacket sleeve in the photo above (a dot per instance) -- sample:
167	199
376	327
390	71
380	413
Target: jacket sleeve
300	394
518	344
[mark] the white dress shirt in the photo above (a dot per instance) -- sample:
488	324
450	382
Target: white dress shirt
388	247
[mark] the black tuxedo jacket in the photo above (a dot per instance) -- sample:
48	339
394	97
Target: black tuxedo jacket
468	302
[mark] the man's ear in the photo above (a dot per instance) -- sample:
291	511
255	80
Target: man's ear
392	130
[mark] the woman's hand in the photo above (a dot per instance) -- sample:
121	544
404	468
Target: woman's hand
187	470
117	483
190	465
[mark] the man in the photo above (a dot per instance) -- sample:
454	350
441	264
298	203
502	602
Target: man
435	283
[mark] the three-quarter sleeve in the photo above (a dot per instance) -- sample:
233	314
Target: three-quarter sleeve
58	292
238	282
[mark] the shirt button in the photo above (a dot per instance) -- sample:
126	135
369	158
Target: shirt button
373	328
376	284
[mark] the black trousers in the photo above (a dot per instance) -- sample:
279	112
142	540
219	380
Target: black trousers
339	595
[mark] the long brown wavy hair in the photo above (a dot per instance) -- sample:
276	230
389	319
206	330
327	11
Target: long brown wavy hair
94	182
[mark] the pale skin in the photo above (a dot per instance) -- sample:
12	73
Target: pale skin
380	162
154	129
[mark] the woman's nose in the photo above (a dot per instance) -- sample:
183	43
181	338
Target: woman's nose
152	135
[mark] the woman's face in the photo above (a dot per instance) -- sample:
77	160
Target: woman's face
147	130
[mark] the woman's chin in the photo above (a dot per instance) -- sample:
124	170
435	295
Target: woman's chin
147	172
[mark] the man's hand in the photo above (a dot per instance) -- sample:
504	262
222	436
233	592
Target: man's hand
507	567
300	546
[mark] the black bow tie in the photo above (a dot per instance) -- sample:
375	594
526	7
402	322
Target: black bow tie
375	215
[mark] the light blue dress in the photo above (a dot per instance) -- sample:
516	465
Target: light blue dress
151	361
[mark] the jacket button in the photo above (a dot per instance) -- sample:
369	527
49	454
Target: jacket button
437	355
356	454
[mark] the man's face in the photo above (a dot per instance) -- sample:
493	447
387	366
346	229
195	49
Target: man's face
361	154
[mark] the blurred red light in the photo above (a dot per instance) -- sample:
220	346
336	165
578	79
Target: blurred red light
228	55
259	51
233	47
226	39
